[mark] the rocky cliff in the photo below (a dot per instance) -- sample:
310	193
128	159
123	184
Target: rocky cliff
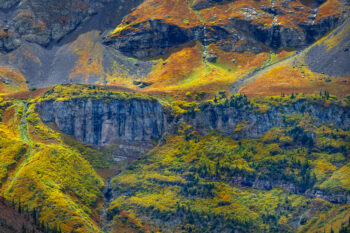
245	121
47	22
103	122
98	122
233	25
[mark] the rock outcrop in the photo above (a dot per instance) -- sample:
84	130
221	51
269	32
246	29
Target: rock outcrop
6	4
102	122
98	122
334	197
154	38
46	22
244	122
326	58
251	27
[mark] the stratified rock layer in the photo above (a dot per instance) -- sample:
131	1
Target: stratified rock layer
236	26
100	122
47	22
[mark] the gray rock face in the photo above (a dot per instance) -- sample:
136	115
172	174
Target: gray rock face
200	5
335	60
155	37
226	119
100	122
9	42
97	122
337	197
44	61
278	36
264	184
6	4
158	37
203	4
49	21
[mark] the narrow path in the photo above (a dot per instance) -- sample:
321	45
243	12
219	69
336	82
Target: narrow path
253	75
107	192
22	127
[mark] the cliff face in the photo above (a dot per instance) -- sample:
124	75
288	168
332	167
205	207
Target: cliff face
45	22
156	37
100	122
244	122
233	25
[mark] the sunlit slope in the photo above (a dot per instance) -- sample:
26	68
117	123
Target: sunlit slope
40	172
321	67
11	80
213	46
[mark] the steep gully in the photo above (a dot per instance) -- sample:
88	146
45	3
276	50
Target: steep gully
108	195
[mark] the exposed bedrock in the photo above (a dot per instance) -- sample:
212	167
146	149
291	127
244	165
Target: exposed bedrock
256	123
329	59
155	37
100	122
45	22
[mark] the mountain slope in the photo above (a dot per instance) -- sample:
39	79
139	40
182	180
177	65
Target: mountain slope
174	116
12	221
183	46
308	71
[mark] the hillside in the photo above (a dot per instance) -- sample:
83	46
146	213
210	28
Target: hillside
15	220
180	46
175	116
197	167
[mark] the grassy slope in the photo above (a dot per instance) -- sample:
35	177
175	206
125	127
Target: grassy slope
11	80
41	172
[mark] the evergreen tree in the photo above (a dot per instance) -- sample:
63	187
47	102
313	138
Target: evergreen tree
24	230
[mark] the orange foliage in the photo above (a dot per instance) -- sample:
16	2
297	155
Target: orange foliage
27	94
185	71
221	14
176	68
89	63
11	80
175	12
286	79
329	8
